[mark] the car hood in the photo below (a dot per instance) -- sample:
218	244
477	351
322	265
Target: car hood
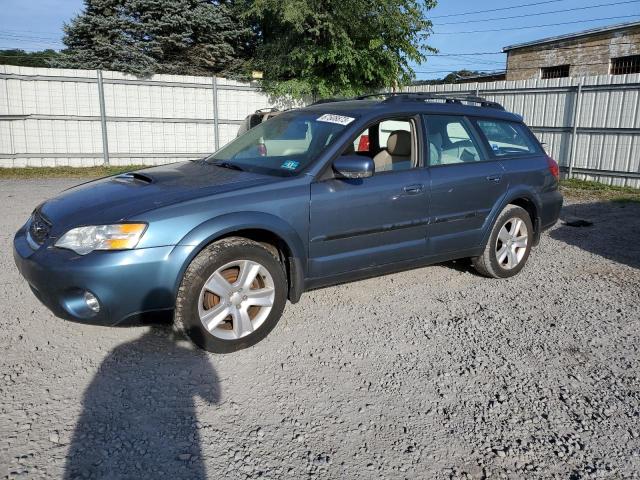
117	198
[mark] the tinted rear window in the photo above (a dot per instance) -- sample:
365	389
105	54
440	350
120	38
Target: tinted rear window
508	139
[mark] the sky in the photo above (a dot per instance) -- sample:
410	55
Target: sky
447	18
37	24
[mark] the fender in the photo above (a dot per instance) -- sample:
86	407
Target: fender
521	191
217	227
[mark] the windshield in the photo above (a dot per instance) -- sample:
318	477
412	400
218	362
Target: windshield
283	145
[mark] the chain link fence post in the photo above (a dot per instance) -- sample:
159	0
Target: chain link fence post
216	123
577	106
103	120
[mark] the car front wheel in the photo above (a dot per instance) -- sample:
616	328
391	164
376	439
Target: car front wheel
509	244
232	295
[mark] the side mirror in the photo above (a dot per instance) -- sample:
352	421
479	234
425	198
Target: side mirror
354	166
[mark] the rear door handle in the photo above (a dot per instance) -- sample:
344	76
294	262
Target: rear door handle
494	178
414	189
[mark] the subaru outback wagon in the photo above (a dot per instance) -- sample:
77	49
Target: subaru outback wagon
296	203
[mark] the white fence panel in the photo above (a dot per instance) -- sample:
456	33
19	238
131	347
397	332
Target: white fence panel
607	125
53	117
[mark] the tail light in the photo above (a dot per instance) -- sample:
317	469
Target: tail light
553	167
363	144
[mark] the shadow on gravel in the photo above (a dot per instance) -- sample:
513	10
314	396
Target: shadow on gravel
613	235
462	265
139	419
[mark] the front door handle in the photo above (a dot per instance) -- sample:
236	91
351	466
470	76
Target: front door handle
413	189
494	178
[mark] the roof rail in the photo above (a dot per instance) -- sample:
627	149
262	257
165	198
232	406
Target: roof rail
447	97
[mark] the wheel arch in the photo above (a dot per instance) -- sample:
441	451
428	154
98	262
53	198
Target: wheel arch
274	233
523	198
531	208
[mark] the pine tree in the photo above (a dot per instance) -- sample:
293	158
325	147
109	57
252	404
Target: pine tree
197	37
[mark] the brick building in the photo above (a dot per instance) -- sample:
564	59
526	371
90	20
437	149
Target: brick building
613	50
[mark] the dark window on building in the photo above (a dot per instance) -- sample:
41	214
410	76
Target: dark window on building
558	71
622	65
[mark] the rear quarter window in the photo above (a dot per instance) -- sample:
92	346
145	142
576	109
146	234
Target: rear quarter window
508	139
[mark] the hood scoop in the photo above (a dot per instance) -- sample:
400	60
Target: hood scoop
134	177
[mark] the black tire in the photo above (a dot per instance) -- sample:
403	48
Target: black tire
214	256
487	264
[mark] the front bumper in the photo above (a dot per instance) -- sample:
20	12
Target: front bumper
126	283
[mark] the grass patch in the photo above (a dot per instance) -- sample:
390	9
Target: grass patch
586	189
65	172
589	185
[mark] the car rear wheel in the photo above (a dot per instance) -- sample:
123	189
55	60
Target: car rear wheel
509	244
232	295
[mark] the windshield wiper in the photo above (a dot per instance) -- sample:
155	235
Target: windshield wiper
229	165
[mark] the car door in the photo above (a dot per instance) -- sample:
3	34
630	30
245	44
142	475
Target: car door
466	184
356	224
524	160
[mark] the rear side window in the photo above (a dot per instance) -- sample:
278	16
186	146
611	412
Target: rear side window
508	138
451	141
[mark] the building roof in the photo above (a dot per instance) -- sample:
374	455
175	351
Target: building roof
569	36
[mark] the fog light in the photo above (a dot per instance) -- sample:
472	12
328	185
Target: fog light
91	301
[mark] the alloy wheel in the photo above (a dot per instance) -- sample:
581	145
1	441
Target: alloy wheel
511	244
236	299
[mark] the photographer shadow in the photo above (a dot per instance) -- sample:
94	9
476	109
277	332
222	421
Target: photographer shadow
139	416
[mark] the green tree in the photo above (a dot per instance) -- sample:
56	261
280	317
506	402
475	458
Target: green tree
338	47
197	37
22	58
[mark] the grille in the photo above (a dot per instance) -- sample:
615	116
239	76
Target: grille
39	228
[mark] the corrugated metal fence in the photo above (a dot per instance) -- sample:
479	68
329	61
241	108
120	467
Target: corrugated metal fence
52	117
591	125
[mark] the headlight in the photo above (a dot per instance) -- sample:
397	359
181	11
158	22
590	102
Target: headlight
121	236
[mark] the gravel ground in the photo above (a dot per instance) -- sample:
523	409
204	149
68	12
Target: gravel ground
432	373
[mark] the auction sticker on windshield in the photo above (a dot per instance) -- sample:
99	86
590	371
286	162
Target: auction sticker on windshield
332	118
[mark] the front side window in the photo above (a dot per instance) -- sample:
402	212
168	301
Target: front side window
450	141
507	138
362	143
283	145
394	148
